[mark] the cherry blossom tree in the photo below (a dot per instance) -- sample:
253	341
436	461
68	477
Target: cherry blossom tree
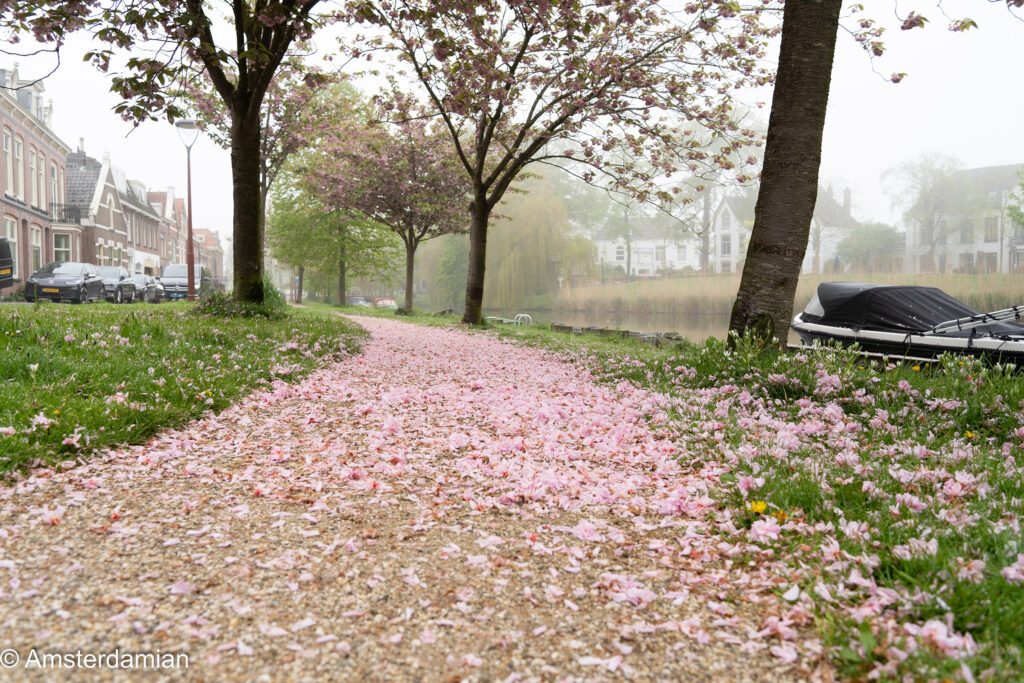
167	43
403	176
617	81
301	103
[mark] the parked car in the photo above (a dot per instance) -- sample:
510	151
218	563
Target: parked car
147	288
358	301
6	263
57	280
175	281
384	302
116	285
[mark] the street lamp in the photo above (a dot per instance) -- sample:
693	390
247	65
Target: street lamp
188	131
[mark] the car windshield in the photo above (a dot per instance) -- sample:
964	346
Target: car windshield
62	268
108	271
176	270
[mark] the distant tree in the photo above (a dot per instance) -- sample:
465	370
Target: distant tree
304	233
929	195
168	44
507	79
869	247
452	266
1015	207
401	176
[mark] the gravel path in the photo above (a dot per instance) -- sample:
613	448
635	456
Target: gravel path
442	507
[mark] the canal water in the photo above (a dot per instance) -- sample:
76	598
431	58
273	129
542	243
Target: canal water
692	329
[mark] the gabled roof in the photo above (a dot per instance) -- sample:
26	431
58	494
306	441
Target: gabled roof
827	210
133	193
81	176
991	178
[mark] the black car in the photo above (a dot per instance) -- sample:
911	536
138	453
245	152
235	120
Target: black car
6	263
147	288
57	280
116	285
175	281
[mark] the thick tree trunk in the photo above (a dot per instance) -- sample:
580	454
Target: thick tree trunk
245	177
341	276
479	214
789	177
410	262
298	291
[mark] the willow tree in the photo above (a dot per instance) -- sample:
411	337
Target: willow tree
169	44
612	80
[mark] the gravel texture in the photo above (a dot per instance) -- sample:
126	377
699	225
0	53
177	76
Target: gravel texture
442	507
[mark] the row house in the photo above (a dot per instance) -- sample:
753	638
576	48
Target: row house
211	253
969	230
32	175
93	204
173	226
147	248
733	222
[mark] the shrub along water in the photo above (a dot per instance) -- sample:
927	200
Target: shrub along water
714	296
78	378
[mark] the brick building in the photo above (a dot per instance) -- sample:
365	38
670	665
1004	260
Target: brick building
210	253
32	174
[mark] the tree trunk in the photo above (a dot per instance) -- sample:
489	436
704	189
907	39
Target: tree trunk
410	261
705	235
341	276
479	213
245	177
789	177
298	290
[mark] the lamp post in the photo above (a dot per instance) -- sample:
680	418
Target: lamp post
188	132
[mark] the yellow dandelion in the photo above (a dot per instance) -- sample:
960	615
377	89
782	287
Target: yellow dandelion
969	434
916	368
780	515
758	506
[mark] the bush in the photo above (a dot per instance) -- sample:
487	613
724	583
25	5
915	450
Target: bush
16	295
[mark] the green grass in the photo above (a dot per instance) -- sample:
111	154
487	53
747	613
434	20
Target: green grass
103	375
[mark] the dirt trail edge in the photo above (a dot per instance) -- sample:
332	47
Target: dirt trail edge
442	507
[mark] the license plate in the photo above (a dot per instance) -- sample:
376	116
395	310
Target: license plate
177	296
51	290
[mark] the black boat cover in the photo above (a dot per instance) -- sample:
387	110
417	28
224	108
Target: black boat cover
893	308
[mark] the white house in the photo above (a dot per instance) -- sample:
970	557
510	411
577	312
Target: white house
646	252
973	234
733	221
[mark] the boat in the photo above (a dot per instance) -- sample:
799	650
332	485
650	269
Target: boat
904	320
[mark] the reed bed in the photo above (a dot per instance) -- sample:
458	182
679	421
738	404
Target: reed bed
714	296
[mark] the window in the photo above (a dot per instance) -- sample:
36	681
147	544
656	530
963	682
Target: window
19	188
54	199
726	220
59	197
966	261
966	231
726	267
659	255
620	253
726	246
30	181
41	183
992	229
61	247
37	247
11	233
8	164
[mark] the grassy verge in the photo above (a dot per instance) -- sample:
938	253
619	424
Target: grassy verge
78	378
889	498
